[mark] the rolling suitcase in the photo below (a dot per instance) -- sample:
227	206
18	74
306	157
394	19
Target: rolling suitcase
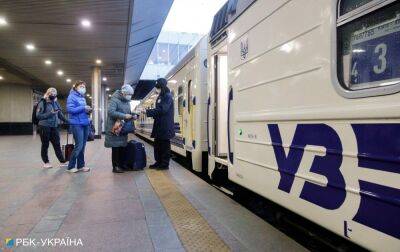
68	148
134	156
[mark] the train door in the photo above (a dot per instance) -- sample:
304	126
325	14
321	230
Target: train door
220	105
189	113
180	110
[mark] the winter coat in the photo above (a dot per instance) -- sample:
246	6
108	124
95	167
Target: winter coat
46	117
76	109
118	107
163	114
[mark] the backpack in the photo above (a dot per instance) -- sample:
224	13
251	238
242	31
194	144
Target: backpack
35	120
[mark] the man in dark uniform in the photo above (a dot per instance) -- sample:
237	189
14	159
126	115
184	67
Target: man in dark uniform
163	127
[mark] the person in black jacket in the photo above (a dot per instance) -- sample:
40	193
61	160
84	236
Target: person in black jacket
163	127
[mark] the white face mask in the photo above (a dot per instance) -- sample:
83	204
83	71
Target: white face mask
158	90
128	97
82	90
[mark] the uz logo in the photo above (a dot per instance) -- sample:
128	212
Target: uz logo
331	196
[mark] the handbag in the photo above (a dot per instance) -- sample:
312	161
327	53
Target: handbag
127	127
117	127
91	133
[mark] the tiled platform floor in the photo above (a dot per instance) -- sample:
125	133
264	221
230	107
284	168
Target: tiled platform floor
112	212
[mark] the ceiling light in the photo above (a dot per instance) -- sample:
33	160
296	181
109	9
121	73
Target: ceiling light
107	89
30	47
48	62
88	95
68	80
3	21
109	95
98	61
1	77
104	78
60	73
86	23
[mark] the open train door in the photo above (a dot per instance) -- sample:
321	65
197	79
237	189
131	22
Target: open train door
218	101
221	106
218	108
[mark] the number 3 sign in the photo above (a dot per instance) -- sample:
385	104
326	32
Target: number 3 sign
375	53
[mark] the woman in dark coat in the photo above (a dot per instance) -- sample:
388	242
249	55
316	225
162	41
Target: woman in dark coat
163	127
118	109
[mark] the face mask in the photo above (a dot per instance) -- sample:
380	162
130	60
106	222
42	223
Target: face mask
128	97
82	90
52	97
158	90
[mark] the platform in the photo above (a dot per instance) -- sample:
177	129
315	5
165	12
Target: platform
136	211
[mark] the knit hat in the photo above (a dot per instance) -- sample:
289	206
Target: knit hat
127	89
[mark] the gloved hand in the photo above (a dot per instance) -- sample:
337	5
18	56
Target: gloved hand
128	116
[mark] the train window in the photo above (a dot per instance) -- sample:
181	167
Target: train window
368	44
348	6
232	6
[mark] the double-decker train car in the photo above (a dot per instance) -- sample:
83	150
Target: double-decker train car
188	84
303	109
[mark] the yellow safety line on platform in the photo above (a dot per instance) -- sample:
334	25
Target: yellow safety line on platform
193	230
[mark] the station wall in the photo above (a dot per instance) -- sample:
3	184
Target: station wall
15	109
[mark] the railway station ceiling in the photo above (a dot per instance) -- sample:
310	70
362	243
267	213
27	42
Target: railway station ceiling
55	42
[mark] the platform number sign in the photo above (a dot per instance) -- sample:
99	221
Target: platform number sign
375	54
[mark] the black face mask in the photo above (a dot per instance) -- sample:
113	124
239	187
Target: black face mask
52	97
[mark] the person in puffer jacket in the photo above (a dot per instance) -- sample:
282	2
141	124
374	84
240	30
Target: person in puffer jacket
78	112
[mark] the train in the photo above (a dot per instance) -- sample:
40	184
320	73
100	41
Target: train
298	101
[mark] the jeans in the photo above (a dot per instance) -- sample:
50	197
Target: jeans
162	152
50	135
80	134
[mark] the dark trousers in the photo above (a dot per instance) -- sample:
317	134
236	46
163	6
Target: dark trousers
162	152
50	135
116	156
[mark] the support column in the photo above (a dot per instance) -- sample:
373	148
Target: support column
96	101
103	108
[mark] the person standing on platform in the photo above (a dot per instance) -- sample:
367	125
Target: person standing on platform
78	112
48	114
119	109
163	127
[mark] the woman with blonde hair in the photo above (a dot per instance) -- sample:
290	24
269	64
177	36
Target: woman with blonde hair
48	114
78	112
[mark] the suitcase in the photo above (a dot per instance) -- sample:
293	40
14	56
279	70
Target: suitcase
134	156
68	148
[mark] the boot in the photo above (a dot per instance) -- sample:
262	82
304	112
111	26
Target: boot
117	169
153	166
162	167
